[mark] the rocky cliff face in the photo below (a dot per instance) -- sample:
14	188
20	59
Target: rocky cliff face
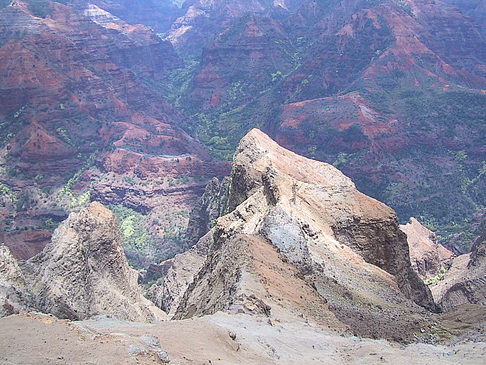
174	276
208	208
342	247
81	273
465	282
426	255
11	278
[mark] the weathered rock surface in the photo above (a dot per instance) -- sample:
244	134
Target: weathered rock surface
346	249
426	255
10	277
82	272
175	275
465	282
208	208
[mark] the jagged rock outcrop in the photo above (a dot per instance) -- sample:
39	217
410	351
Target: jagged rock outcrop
82	272
11	277
345	247
427	256
465	282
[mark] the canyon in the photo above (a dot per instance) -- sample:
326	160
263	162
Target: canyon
295	247
244	181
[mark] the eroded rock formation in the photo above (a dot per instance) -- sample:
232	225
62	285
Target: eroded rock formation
427	256
82	272
207	209
465	282
343	250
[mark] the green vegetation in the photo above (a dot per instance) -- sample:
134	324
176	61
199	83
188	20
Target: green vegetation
66	191
129	180
132	227
82	199
24	201
141	247
5	190
438	175
180	80
49	224
436	278
39	8
63	134
18	112
146	239
443	334
38	178
7	223
10	126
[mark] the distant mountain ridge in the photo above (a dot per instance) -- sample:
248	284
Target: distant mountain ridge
134	102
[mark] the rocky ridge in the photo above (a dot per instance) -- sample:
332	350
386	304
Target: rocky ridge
344	249
371	87
82	272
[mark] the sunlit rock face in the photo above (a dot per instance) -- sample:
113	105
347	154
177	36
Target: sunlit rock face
341	247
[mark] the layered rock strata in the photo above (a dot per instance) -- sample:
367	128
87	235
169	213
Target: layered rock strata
465	282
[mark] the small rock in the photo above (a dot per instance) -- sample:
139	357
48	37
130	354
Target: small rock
136	350
163	356
151	341
232	335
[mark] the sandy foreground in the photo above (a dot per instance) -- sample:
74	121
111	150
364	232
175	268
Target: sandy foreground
217	339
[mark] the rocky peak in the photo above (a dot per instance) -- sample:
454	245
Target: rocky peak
261	162
257	155
345	247
83	272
